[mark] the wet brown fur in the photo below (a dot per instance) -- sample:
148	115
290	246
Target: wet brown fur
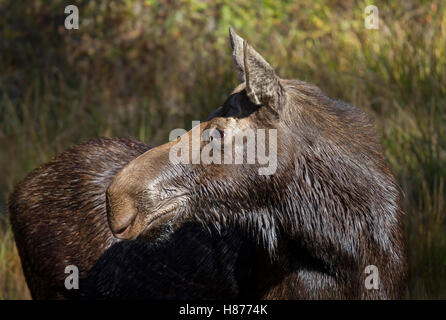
306	232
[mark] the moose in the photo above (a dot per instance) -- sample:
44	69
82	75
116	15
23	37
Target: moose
137	225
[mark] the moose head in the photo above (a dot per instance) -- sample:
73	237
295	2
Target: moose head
156	193
325	188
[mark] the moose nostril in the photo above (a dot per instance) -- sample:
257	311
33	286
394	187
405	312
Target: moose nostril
122	214
121	225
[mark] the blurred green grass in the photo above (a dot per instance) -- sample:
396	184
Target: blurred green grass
142	68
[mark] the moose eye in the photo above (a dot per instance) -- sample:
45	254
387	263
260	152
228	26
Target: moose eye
216	135
222	133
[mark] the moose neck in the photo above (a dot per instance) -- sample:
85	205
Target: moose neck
293	272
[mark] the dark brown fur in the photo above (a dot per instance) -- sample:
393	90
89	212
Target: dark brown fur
307	231
58	215
58	212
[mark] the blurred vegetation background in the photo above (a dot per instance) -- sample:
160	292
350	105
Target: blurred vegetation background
142	68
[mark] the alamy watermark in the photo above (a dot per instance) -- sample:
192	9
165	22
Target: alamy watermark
372	280
72	280
371	20
228	146
72	20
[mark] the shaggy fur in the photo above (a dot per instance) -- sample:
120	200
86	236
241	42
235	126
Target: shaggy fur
306	232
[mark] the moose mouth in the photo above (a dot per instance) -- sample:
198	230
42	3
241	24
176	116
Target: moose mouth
134	226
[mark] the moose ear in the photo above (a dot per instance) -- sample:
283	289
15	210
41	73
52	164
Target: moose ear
237	53
262	84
